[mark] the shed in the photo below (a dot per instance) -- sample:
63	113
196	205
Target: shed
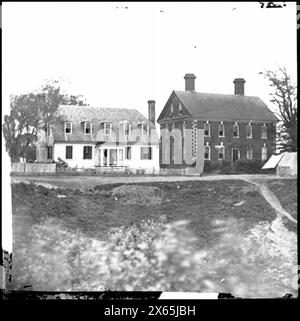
285	164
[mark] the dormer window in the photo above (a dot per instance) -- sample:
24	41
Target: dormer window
127	129
145	129
68	127
180	109
107	128
87	128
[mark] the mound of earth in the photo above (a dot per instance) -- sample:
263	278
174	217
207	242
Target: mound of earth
137	194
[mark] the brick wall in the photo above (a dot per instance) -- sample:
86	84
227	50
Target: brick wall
241	143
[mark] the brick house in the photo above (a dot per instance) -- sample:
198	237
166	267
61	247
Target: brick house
102	138
234	126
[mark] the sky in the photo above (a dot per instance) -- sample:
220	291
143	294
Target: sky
120	54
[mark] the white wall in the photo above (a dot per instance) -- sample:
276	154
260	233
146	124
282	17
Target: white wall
59	150
148	164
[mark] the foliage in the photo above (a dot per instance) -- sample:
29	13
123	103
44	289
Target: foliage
285	98
248	166
154	256
31	112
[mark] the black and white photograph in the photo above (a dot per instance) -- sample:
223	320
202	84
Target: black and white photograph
149	147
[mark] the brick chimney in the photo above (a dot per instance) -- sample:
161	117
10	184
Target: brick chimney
239	86
190	82
151	111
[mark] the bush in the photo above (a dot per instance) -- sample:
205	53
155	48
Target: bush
248	166
208	166
155	256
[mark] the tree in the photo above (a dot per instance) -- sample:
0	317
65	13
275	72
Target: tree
31	112
285	98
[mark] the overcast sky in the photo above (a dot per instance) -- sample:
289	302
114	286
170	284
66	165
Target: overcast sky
123	54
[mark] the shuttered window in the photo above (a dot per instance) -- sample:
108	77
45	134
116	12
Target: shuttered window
69	152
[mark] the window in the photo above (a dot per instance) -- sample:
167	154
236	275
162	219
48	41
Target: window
221	152
127	129
105	157
88	128
180	109
207	129
128	152
207	152
145	129
264	131
69	152
49	152
172	110
249	153
221	129
107	128
173	129
249	130
146	153
183	129
235	130
264	153
87	152
68	128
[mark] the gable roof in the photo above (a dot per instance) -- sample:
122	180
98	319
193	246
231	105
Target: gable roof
79	114
96	116
225	107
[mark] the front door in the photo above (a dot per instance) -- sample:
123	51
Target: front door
235	155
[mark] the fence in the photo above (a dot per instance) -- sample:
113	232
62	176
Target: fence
33	167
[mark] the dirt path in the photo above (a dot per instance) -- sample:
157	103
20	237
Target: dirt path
271	198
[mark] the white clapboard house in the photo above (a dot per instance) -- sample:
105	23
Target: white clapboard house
102	138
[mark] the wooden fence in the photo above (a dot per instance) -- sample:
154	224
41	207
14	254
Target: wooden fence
33	167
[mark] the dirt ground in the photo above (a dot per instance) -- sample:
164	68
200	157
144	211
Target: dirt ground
88	182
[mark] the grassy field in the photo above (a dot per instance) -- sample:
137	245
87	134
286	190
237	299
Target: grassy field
214	216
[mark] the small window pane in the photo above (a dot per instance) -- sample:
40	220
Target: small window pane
107	128
128	152
127	129
69	152
221	130
207	152
264	153
235	130
49	152
146	153
88	128
264	132
87	152
68	128
221	152
249	153
206	129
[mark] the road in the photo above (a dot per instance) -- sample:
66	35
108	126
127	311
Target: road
86	182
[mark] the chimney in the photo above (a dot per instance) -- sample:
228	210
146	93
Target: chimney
190	82
151	111
239	86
